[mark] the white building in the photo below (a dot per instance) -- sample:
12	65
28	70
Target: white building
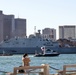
67	32
49	33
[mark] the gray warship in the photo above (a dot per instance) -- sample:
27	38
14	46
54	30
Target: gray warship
33	44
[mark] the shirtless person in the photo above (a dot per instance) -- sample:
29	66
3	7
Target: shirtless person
26	60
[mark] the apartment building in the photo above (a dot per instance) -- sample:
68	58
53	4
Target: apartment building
49	33
67	32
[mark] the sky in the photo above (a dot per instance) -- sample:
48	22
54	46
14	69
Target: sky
42	13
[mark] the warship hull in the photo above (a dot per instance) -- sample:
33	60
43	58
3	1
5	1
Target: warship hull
32	50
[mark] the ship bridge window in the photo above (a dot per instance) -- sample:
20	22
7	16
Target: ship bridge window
0	45
14	51
47	40
43	40
17	42
6	42
51	44
44	44
23	43
16	38
48	50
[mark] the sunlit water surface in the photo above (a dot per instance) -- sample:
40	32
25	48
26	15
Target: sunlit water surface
7	63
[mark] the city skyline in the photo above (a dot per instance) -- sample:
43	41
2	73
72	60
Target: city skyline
11	27
42	13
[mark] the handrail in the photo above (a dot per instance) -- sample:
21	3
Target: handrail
44	69
53	68
64	71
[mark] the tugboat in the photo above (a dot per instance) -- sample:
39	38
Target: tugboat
47	52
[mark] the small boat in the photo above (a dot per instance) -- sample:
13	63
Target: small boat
47	52
5	54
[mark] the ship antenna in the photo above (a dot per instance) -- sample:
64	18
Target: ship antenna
34	29
18	15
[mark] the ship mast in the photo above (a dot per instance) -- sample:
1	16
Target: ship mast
34	30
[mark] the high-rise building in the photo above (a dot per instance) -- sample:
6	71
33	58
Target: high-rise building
8	26
1	26
49	33
20	27
11	27
67	32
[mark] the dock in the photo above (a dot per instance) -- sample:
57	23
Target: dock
43	70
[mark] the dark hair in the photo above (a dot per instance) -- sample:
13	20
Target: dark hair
25	55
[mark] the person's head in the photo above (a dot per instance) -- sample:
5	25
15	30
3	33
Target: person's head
25	55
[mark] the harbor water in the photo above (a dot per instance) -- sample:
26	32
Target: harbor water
7	63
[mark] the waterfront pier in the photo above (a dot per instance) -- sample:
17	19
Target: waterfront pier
43	70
